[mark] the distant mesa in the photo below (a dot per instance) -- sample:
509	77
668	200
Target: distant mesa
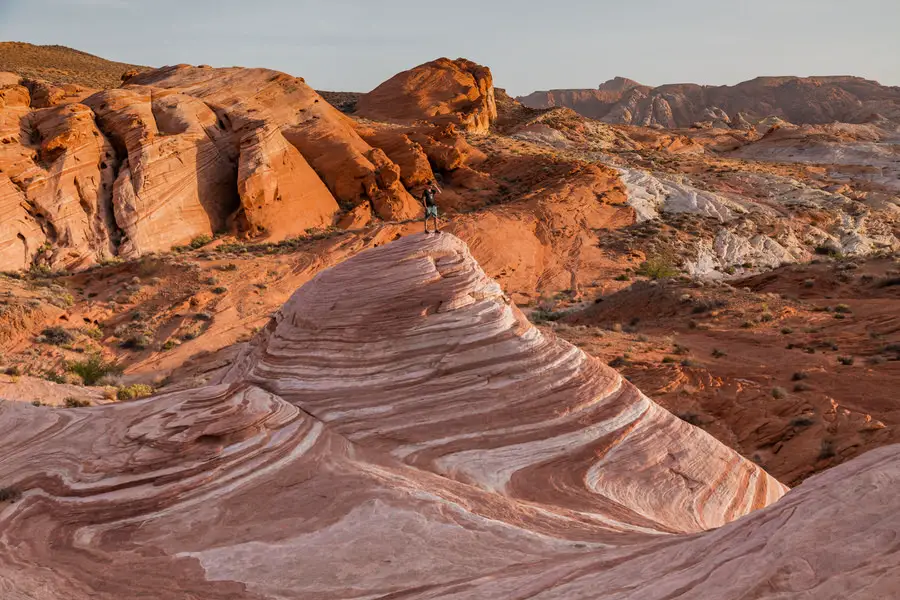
800	100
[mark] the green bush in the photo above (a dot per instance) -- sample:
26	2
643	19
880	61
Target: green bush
845	360
200	241
219	290
138	341
779	393
659	267
73	402
93	369
134	392
54	377
57	336
543	316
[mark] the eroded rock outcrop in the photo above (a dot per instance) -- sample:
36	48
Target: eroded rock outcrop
443	91
400	428
179	153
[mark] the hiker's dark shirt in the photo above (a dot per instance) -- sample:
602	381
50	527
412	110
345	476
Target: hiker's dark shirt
429	197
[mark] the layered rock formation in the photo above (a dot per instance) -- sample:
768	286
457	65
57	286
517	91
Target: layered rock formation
179	153
443	91
397	397
811	100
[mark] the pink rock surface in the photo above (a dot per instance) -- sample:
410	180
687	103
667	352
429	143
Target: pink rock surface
399	429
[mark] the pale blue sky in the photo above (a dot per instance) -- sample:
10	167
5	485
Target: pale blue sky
353	45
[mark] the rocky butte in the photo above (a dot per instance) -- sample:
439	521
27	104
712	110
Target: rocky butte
400	429
806	100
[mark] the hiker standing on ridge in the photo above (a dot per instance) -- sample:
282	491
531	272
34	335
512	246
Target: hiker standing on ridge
431	210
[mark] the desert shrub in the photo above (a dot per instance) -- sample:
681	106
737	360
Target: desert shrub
779	393
802	387
692	418
718	353
200	241
705	306
169	344
95	333
689	362
622	277
658	267
57	336
803	421
93	369
54	377
618	362
747	325
228	267
219	290
543	316
766	317
9	494
203	316
134	392
827	450
190	334
668	360
681	350
845	360
889	282
799	376
842	308
137	341
73	402
13	371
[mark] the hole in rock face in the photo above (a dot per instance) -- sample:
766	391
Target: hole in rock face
210	440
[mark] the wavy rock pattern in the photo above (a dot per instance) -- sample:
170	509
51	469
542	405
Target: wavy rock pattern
400	430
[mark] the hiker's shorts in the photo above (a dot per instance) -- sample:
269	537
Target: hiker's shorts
431	211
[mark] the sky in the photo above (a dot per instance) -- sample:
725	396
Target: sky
350	45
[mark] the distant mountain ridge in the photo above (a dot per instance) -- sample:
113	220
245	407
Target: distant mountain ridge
61	65
801	100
